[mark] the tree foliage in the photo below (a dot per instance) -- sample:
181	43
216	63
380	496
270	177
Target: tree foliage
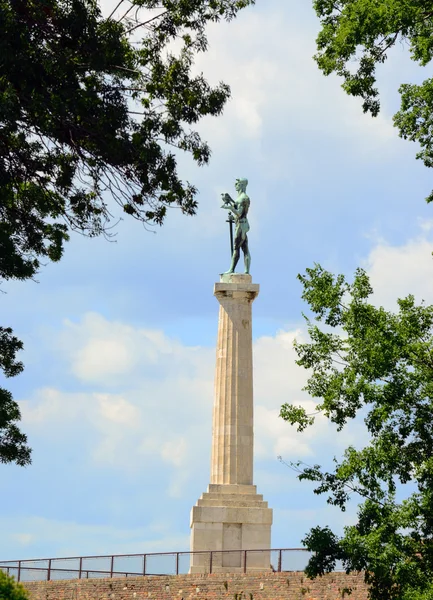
363	32
10	589
71	85
92	109
13	443
369	362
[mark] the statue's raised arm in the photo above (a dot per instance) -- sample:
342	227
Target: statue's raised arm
239	208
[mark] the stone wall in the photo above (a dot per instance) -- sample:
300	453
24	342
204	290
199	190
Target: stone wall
259	586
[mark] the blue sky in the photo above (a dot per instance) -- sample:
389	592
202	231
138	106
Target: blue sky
119	337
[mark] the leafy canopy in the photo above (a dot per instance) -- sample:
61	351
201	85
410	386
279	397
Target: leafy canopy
363	32
368	362
86	115
93	109
10	589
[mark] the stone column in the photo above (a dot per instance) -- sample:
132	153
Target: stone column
232	433
231	516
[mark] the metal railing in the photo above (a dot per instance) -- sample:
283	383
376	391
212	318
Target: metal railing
155	564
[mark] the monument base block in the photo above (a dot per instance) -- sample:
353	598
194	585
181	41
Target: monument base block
233	518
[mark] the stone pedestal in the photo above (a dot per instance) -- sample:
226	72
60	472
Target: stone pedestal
231	515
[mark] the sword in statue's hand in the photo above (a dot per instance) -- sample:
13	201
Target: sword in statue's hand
227	203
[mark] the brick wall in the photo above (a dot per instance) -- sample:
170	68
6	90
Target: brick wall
262	586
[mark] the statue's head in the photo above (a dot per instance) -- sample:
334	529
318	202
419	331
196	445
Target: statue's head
241	185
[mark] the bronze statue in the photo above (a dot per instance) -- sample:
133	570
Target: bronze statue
239	208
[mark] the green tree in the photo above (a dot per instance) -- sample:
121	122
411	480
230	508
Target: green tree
91	113
376	364
10	589
363	32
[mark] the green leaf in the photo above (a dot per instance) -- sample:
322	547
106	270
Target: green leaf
366	361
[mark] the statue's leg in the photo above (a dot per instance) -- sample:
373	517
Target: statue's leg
235	259
247	256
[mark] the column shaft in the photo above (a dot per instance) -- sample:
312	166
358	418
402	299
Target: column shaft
232	438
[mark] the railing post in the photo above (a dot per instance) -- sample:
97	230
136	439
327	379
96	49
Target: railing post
80	567
279	561
245	561
112	566
210	561
49	570
144	564
19	571
177	563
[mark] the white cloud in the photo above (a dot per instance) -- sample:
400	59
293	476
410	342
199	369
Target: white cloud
161	421
118	410
139	404
276	375
277	86
174	451
274	437
280	121
104	353
24	539
103	357
398	270
266	58
163	415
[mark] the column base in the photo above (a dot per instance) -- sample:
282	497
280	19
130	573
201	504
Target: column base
232	518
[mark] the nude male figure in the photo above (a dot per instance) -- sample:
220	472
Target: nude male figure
239	208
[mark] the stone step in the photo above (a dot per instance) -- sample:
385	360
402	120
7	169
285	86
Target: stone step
240	497
238	502
231	488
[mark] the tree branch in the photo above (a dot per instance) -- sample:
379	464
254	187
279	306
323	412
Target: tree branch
143	23
118	6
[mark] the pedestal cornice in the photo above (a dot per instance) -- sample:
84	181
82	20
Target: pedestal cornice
238	284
